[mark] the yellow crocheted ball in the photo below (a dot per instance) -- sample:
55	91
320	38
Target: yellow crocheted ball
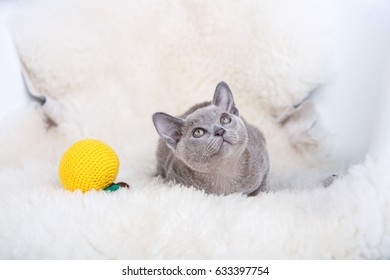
88	164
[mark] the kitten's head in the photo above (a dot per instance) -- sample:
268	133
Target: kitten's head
207	137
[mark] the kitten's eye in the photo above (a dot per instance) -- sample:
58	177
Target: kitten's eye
199	132
225	119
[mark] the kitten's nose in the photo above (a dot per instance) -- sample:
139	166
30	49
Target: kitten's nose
219	131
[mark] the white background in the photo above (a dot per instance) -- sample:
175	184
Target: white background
353	106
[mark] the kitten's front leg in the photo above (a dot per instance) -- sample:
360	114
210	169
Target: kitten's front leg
263	186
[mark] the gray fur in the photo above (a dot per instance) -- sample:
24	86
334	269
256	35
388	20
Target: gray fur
227	158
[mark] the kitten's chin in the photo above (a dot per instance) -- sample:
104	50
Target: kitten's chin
225	147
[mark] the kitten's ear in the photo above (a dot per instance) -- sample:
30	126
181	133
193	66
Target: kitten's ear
223	98
168	127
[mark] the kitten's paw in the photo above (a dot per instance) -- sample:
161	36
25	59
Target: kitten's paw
329	180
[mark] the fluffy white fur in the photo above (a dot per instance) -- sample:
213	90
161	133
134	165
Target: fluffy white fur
106	66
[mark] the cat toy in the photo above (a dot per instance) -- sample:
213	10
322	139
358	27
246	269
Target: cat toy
90	164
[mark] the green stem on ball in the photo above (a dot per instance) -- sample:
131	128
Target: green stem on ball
116	186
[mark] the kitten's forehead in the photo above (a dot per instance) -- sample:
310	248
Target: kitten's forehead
203	115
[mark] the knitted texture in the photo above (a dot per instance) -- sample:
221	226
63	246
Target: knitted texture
88	164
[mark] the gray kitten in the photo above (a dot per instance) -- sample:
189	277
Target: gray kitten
210	147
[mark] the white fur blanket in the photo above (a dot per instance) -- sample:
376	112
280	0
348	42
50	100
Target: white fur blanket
106	66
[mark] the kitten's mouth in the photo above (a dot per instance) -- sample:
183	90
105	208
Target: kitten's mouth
219	146
225	141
